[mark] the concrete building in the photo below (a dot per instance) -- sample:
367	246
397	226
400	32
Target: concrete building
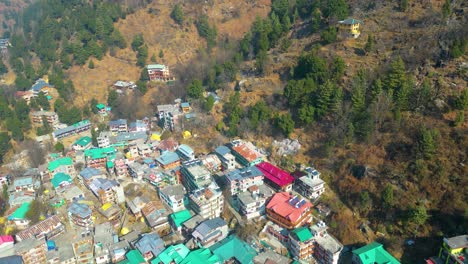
210	232
195	175
173	196
107	191
301	243
289	211
240	180
32	250
186	152
327	248
454	249
309	183
252	203
80	214
118	126
47	228
228	160
246	153
208	202
84	251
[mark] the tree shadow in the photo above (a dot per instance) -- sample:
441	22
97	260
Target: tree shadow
359	52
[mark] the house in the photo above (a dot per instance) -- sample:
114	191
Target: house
289	211
98	157
103	239
168	160
137	204
21	197
189	225
240	180
350	27
32	250
185	152
253	201
89	174
107	191
208	202
84	251
138	126
111	212
228	160
327	248
4	179
169	144
6	243
82	143
155	214
134	257
195	175
374	253
301	243
63	255
172	254
38	118
124	85
72	193
47	228
453	249
173	196
168	116
118	250
118	126
63	165
79	127
24	184
270	257
212	163
202	255
80	214
185	107
60	181
120	168
104	139
210	232
18	216
25	95
178	218
150	245
309	184
234	249
144	150
277	178
246	153
159	72
41	85
102	109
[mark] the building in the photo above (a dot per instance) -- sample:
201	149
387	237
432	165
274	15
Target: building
301	243
277	178
350	27
82	143
107	191
270	257
124	85
63	165
137	204
168	160
309	184
240	180
20	197
172	254
80	214
72	193
6	244
138	126
60	181
178	218
374	253
202	255
98	157
454	250
18	216
327	248
252	202
186	152
111	212
150	245
212	163
103	239
32	250
47	228
289	211
210	232
84	251
155	214
89	174
246	153
38	118
228	160
120	168
24	184
104	139
118	126
79	127
235	250
173	196
159	72
208	202
195	175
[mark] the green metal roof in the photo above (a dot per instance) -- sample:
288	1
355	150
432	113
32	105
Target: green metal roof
110	164
134	257
175	253
374	253
351	21
303	233
99	153
20	213
59	178
233	247
100	106
83	141
201	256
180	217
53	165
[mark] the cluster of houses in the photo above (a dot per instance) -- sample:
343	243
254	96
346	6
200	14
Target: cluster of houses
40	86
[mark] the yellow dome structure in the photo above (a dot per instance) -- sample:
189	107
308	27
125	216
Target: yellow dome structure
156	137
46	191
124	231
186	134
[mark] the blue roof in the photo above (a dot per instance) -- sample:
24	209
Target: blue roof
137	123
168	158
150	243
222	150
244	173
23	181
101	184
185	149
82	210
208	225
39	85
186	104
87	173
130	136
118	122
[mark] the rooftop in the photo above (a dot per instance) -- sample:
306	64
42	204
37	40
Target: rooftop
83	141
178	191
172	254
302	233
457	242
79	209
100	153
168	158
350	21
288	206
185	149
118	122
329	243
39	84
53	165
42	227
374	253
233	247
88	172
150	243
59	178
81	124
27	244
207	226
247	151
23	181
130	136
156	67
222	150
201	256
20	213
244	173
134	257
275	174
180	217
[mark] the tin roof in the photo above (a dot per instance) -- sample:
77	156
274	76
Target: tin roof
275	174
53	165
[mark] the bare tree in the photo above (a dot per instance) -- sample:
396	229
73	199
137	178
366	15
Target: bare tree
36	153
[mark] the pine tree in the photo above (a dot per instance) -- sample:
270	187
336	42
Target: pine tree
369	47
91	64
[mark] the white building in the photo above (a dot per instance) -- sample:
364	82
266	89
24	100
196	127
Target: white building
310	185
327	248
252	202
173	196
208	202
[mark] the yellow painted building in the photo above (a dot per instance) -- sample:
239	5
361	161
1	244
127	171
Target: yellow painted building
350	27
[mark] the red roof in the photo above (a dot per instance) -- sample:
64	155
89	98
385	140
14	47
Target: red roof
275	174
246	152
6	239
288	206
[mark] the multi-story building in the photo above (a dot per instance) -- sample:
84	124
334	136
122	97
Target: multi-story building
120	168
252	202
246	153
159	72
98	157
454	250
32	250
118	126
168	116
63	165
327	248
301	243
155	214
208	202
186	152
47	228
144	150
210	232
103	240
168	160
173	196
277	178
38	118
79	127
87	175
350	27
24	184
289	211
228	160
309	184
6	244
212	162
374	253
107	191
195	175
150	245
84	251
82	143
80	214
240	180
104	139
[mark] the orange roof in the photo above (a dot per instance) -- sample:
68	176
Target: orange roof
286	206
249	154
